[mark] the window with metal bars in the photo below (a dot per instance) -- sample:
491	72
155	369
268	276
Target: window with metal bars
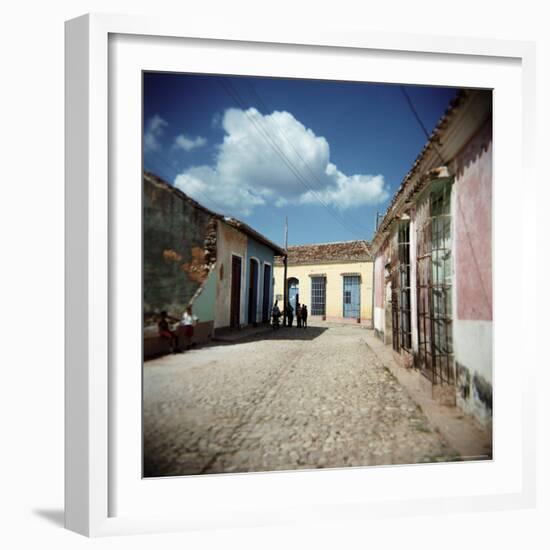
318	296
434	286
400	271
404	292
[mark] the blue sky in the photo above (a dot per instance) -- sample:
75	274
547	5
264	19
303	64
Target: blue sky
328	155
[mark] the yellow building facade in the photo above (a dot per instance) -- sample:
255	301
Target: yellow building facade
334	280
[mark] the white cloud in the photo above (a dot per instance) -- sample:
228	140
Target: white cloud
349	191
153	131
248	171
187	143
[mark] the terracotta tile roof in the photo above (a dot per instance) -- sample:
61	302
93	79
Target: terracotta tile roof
348	251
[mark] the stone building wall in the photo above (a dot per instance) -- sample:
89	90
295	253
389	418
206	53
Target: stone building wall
179	249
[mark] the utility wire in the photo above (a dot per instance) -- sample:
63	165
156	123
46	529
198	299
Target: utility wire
339	218
282	133
222	210
267	137
419	120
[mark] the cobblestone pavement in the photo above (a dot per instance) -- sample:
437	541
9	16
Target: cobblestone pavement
313	398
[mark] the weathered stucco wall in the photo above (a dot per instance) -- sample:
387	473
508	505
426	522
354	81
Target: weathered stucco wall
334	286
473	227
204	305
229	242
473	363
473	327
178	249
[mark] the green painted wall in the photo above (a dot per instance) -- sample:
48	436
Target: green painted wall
204	305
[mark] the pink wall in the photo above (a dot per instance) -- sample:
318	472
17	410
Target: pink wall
473	228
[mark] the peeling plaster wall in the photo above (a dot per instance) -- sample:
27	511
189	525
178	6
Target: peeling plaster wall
178	250
473	327
473	362
473	225
204	304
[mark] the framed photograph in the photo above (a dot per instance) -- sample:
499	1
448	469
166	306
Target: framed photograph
293	291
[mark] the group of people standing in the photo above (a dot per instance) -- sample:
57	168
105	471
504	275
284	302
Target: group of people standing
301	314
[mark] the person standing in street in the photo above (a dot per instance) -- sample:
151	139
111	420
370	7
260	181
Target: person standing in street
304	315
289	314
298	314
275	314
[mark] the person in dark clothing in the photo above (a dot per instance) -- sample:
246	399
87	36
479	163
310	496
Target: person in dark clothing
304	315
166	333
289	314
298	315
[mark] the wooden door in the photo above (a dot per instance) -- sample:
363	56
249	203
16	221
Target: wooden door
236	269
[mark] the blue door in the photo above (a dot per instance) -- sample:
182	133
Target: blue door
352	296
253	292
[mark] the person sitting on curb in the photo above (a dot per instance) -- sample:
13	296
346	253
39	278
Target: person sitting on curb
188	321
166	333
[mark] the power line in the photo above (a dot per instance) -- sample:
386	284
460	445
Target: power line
267	137
304	162
419	120
205	197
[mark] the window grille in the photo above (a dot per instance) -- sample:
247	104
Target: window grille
434	287
404	291
318	296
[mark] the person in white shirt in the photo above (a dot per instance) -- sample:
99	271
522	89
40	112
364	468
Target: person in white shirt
275	314
188	321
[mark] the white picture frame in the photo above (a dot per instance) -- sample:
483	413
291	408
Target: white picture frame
91	214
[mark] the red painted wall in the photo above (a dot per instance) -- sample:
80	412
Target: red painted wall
473	228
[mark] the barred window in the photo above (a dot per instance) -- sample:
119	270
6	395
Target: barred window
318	295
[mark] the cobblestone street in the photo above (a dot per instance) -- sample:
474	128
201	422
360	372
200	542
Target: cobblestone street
293	398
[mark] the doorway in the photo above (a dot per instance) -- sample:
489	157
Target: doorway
235	308
293	292
352	296
253	292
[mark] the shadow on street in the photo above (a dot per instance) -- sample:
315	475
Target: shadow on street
269	333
